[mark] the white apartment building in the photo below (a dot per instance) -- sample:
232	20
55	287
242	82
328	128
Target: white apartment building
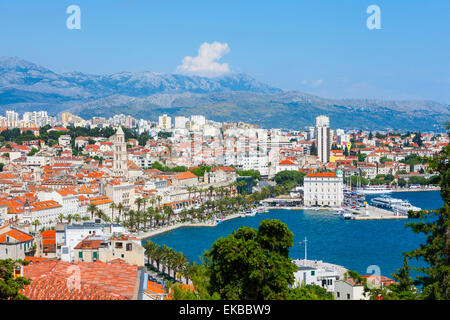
306	275
348	290
324	189
165	122
180	122
198	120
46	212
74	233
121	193
68	199
323	136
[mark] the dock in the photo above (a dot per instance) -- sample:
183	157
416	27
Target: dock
374	213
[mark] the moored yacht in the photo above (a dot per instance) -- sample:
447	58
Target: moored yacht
373	190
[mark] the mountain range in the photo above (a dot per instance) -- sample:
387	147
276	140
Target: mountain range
25	86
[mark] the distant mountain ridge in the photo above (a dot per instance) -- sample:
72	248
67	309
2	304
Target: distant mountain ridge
25	86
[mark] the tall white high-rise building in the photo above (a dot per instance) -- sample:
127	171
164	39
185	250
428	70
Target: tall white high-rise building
180	122
198	120
165	122
323	137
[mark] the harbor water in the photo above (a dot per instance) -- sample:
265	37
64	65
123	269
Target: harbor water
356	245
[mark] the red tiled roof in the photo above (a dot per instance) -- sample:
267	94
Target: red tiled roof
15	234
48	234
96	280
322	175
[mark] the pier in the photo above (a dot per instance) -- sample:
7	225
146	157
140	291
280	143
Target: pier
374	213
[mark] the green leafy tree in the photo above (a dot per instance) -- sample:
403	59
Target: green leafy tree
290	177
10	287
253	264
435	224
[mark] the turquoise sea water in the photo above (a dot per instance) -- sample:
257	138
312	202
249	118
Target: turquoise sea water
353	244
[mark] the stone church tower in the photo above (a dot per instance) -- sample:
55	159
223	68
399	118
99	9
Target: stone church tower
120	161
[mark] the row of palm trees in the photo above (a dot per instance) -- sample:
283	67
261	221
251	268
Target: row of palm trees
217	203
169	259
214	203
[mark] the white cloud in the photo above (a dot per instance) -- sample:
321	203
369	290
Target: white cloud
205	63
312	83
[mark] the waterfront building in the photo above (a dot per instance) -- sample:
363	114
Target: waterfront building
324	189
308	275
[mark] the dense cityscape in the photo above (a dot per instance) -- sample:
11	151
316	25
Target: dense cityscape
224	159
76	192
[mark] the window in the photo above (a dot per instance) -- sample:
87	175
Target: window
80	254
338	294
129	246
348	296
119	245
313	273
95	255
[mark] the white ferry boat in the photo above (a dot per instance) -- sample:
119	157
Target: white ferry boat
385	202
339	212
404	207
373	190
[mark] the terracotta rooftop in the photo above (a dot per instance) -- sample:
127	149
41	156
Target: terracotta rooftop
97	281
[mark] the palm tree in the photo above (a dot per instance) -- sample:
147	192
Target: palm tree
100	214
92	209
159	198
150	249
211	190
157	255
153	201
151	215
144	203
131	214
112	206
168	212
189	190
76	217
139	202
120	208
69	218
61	217
36	223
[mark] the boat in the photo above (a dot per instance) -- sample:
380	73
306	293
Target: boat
385	202
373	190
339	212
250	213
404	207
262	209
346	215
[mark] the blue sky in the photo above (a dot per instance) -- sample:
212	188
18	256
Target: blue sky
321	47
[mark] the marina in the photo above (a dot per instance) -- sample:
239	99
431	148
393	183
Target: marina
354	244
